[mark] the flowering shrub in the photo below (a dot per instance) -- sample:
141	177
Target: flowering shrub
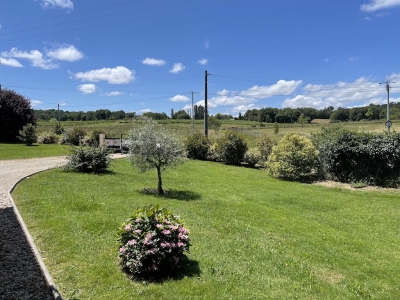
152	242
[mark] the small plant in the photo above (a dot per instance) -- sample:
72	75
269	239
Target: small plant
92	137
252	157
230	148
73	136
48	137
276	128
88	159
152	242
28	134
197	146
265	146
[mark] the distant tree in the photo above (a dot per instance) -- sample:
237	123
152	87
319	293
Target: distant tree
153	147
276	128
199	112
181	114
214	123
369	113
172	113
240	116
15	113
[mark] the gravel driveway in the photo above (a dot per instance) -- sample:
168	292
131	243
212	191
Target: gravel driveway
23	274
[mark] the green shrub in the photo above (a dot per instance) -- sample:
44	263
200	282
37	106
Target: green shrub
152	242
88	159
48	137
92	137
73	136
349	156
265	146
212	154
230	148
28	134
252	157
197	146
58	129
294	158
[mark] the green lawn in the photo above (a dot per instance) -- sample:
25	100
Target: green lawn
17	150
253	237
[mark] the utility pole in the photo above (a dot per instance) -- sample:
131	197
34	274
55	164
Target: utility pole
205	106
388	122
192	113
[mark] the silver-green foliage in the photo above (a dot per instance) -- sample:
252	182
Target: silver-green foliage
294	158
88	159
151	146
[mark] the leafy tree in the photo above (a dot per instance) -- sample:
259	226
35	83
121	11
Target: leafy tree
181	114
153	147
15	113
28	134
276	128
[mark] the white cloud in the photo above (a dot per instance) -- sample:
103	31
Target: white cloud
34	56
117	75
153	62
65	4
243	108
341	94
145	110
65	52
62	103
10	62
114	93
382	14
375	5
353	58
202	61
36	102
179	98
282	87
178	67
87	88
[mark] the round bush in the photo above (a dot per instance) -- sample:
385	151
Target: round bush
252	157
230	148
28	134
48	137
73	135
152	242
294	158
265	146
88	159
197	146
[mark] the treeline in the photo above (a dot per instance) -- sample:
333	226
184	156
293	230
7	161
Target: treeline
268	114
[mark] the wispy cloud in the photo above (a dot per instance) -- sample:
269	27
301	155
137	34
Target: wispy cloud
145	110
10	62
207	44
153	62
353	58
177	68
34	56
179	98
64	4
202	61
375	5
65	52
36	102
114	93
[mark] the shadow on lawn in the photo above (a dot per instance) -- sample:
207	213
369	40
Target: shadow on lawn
172	194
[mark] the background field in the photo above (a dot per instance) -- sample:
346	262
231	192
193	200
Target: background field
254	237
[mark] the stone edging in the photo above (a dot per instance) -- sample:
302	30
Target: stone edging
32	245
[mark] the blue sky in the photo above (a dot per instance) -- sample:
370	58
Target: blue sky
149	55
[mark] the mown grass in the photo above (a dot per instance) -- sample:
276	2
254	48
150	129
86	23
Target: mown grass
253	237
19	150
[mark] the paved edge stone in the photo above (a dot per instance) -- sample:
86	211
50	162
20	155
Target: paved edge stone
39	259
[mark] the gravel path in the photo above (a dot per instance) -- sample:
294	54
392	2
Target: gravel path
23	274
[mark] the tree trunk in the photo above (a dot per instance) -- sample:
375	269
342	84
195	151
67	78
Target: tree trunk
160	189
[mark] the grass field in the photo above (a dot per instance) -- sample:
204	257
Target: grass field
253	237
19	150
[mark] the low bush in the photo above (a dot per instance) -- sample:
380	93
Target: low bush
294	158
28	134
197	146
230	148
92	137
73	136
252	157
265	145
48	137
88	159
152	242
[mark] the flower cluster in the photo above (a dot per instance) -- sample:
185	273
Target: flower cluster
152	241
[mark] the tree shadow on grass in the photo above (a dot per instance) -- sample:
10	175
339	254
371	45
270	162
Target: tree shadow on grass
172	194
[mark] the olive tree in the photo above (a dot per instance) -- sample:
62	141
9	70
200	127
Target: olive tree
154	147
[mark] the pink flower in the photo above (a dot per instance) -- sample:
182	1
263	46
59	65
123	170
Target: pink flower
128	227
156	219
138	220
172	227
155	267
151	251
180	244
165	245
131	242
149	236
122	250
182	236
159	226
176	259
166	232
182	230
138	231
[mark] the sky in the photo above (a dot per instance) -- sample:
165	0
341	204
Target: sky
141	56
